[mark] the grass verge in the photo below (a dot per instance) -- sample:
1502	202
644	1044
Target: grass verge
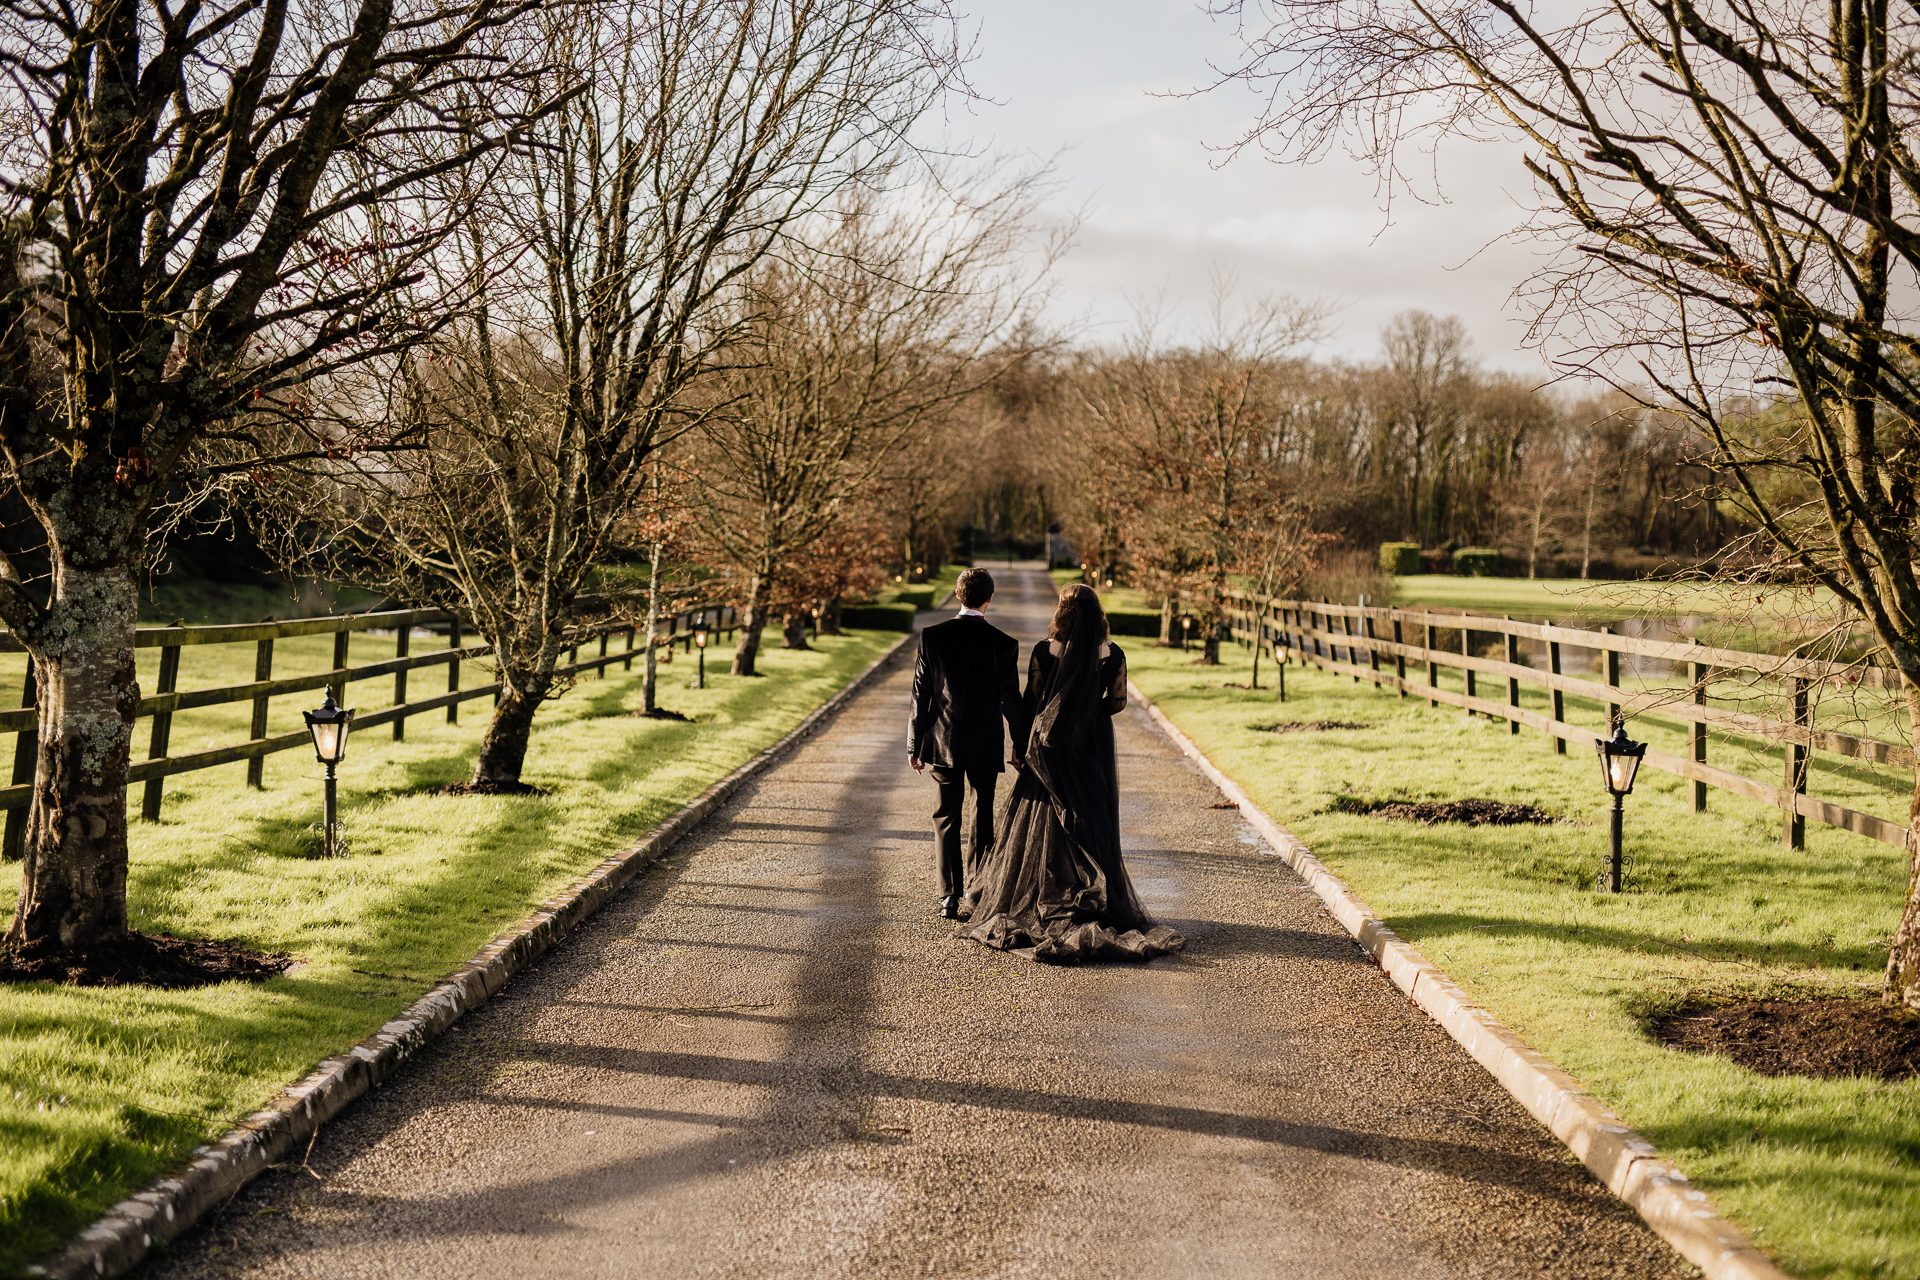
1825	1174
103	1089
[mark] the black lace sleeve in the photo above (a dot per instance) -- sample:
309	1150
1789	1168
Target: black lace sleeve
1114	675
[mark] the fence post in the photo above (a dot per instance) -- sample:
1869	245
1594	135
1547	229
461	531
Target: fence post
340	639
1373	654
453	669
26	760
162	729
1559	695
1466	654
1613	679
1353	659
1793	824
1433	667
1699	733
1399	658
1259	638
402	646
629	649
262	670
1513	681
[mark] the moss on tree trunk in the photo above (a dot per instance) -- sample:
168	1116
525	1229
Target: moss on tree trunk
73	884
1903	952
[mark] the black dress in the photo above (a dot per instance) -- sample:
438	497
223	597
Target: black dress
1054	880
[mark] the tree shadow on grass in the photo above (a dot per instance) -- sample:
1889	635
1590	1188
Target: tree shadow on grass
1423	928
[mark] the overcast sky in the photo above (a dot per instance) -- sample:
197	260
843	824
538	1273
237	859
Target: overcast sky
1161	212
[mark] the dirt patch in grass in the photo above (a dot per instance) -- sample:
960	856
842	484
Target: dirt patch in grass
658	713
486	789
1472	813
1827	1039
141	959
1315	726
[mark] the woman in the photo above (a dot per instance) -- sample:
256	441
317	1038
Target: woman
1055	880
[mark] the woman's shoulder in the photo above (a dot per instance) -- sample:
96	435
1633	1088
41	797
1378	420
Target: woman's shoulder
1112	650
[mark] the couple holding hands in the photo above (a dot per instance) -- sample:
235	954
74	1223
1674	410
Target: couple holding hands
1054	879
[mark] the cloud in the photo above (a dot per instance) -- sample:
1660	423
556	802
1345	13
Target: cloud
1163	211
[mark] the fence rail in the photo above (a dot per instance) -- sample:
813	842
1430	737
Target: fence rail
160	706
1379	647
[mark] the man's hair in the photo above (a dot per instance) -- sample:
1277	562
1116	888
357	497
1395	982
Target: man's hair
975	587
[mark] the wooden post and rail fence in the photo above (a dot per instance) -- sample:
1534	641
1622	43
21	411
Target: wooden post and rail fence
165	701
1375	645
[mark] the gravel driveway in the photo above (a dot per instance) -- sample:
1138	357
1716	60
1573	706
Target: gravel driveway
767	1058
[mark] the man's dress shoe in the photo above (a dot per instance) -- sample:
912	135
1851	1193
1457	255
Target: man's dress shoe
950	908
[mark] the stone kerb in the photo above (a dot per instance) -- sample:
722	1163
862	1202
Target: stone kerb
1611	1150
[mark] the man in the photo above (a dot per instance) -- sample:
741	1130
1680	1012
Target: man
966	678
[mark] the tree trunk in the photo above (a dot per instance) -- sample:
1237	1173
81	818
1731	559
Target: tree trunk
752	622
1586	546
1168	607
1903	954
794	631
73	884
830	618
1533	545
1214	622
503	751
648	682
526	677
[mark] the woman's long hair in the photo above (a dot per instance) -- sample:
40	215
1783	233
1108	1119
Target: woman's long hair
1077	601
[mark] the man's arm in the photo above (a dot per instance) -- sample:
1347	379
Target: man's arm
1012	705
922	703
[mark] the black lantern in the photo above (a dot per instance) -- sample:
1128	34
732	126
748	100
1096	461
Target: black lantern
329	726
1620	758
700	643
816	622
1186	625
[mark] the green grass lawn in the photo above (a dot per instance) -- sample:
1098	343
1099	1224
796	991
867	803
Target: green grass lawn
938	586
203	602
1824	1173
102	1090
1758	619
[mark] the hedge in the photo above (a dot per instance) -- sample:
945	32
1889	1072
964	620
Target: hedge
878	617
1477	562
1399	557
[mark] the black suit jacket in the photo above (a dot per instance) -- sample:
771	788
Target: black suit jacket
966	677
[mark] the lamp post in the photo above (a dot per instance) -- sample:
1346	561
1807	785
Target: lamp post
1619	761
329	726
1186	625
816	622
700	643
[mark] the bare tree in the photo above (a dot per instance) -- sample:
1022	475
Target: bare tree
193	225
699	135
1190	439
1738	187
1426	373
864	338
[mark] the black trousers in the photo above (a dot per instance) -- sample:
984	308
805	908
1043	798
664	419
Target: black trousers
953	784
